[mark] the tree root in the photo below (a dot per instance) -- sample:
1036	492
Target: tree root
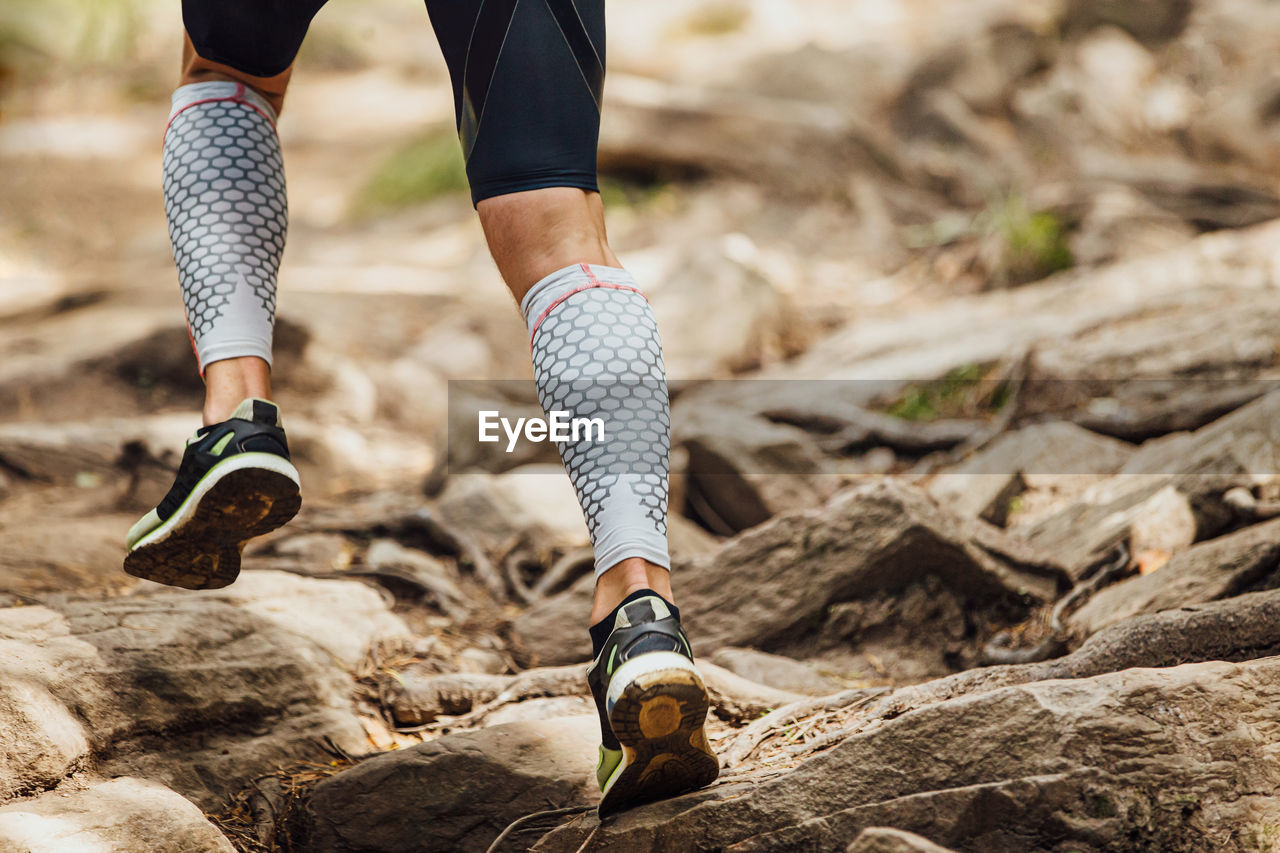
452	701
415	703
998	651
756	733
738	699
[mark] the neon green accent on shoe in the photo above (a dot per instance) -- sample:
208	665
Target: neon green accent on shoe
217	449
145	525
609	761
613	657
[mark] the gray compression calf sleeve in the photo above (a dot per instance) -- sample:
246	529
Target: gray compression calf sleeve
596	354
224	196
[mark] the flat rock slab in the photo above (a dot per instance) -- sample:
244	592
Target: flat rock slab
342	617
123	815
457	793
1143	759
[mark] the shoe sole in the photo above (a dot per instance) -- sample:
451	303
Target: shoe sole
199	546
658	718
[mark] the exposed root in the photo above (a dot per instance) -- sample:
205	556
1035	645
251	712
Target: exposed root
775	721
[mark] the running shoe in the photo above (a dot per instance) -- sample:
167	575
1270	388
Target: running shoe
652	705
235	482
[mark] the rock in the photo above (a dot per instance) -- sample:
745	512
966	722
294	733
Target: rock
1242	628
190	690
59	452
38	557
1163	525
1141	759
532	504
1140	416
1218	568
418	695
882	839
667	132
455	793
873	540
867	546
777	671
1050	456
480	660
335	457
739	699
754	319
743	470
342	617
415	698
315	553
685	539
1121	223
546	708
465	453
393	563
1124	359
991	326
41	739
1202	465
117	816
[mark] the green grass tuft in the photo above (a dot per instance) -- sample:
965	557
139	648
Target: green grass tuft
427	168
1034	243
929	401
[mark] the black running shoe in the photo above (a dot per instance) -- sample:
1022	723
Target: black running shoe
235	482
652	705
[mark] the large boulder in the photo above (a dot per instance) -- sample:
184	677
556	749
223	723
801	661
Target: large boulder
342	617
201	692
868	572
457	793
533	504
1151	759
123	815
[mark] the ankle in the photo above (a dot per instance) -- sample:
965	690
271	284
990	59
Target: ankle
626	578
231	381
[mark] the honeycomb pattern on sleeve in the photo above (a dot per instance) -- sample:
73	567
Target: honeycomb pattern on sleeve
224	194
597	354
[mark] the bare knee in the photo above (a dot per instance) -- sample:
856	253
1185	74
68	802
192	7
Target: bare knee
532	234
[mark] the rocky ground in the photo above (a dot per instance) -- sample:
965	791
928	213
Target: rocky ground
970	312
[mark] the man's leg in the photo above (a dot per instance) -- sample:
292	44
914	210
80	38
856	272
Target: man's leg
528	82
597	355
531	235
225	201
